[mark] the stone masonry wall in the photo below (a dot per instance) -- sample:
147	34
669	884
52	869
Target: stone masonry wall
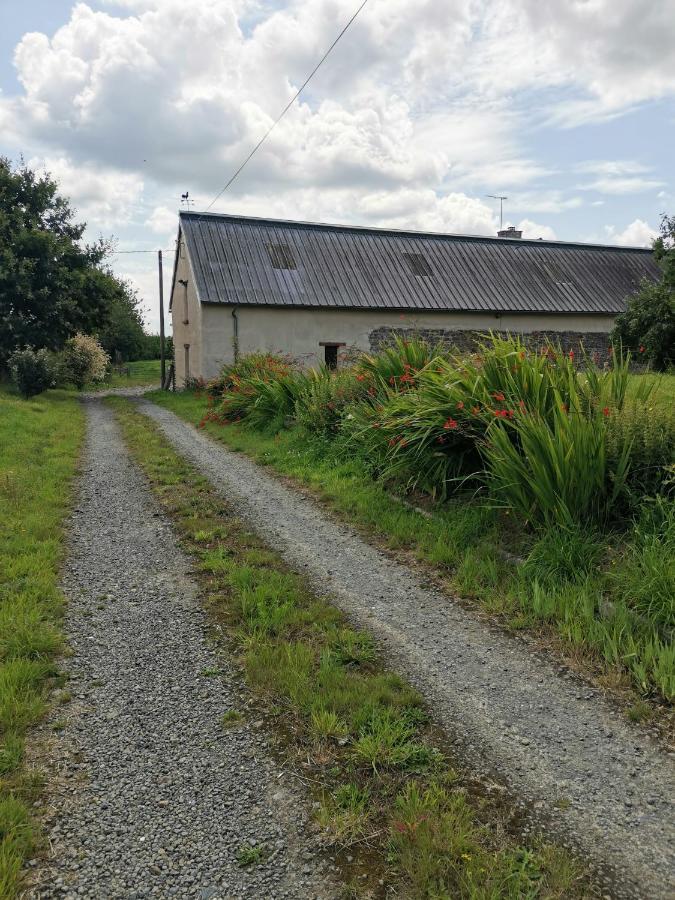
594	342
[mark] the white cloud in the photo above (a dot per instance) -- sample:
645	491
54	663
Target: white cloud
104	198
621	185
163	221
637	234
534	231
546	201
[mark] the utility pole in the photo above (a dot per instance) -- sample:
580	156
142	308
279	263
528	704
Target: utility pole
161	318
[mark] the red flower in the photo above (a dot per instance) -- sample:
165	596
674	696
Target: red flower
498	396
522	354
460	404
605	411
571	354
450	424
642	349
360	377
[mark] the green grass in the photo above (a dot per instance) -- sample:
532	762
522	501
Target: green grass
142	372
604	601
358	730
39	446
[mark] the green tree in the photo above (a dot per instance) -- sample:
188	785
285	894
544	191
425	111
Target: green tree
647	327
51	284
123	337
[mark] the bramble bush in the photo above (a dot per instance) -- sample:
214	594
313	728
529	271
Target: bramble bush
32	371
84	360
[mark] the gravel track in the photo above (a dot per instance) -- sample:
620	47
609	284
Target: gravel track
594	780
150	796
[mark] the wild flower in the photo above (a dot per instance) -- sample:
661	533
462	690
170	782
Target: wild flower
450	424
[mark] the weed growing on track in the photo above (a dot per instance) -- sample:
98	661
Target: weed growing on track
603	600
39	445
387	789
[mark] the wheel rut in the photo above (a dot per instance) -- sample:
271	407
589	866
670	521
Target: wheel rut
149	795
599	784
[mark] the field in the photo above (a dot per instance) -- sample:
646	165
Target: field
142	372
39	445
599	594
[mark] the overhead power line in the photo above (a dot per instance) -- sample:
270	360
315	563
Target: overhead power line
287	107
117	252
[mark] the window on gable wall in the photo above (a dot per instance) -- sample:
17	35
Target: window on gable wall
418	263
281	256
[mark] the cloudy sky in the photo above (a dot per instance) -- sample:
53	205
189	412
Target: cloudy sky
424	108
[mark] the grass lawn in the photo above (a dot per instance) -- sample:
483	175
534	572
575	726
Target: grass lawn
604	602
40	441
142	372
392	803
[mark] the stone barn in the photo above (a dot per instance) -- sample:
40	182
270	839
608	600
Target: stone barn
318	291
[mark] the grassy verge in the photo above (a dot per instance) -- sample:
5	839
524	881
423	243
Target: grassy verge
388	796
39	445
603	602
141	373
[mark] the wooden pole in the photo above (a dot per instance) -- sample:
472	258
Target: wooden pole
161	319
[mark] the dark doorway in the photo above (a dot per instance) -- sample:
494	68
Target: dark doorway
330	355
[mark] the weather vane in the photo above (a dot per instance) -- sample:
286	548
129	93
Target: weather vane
185	198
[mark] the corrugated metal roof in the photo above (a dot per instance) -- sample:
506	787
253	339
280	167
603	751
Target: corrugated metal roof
238	260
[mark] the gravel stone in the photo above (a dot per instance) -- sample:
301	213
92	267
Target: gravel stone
149	795
510	711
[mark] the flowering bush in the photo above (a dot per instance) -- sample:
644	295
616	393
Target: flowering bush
266	366
84	360
32	371
395	367
326	398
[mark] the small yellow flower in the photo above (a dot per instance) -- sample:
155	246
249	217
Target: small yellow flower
466	856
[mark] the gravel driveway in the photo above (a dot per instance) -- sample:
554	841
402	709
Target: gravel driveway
560	747
151	796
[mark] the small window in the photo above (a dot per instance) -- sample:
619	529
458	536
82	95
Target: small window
330	352
281	256
186	347
418	264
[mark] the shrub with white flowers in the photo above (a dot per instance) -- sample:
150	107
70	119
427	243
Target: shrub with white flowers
84	360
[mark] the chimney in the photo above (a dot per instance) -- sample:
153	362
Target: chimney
510	232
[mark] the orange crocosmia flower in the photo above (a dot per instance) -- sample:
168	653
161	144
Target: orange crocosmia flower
460	404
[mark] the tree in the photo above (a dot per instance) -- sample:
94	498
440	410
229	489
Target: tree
51	285
123	337
647	327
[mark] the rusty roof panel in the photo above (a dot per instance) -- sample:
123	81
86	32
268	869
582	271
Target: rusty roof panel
367	268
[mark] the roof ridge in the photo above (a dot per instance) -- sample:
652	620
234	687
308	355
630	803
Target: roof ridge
299	223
